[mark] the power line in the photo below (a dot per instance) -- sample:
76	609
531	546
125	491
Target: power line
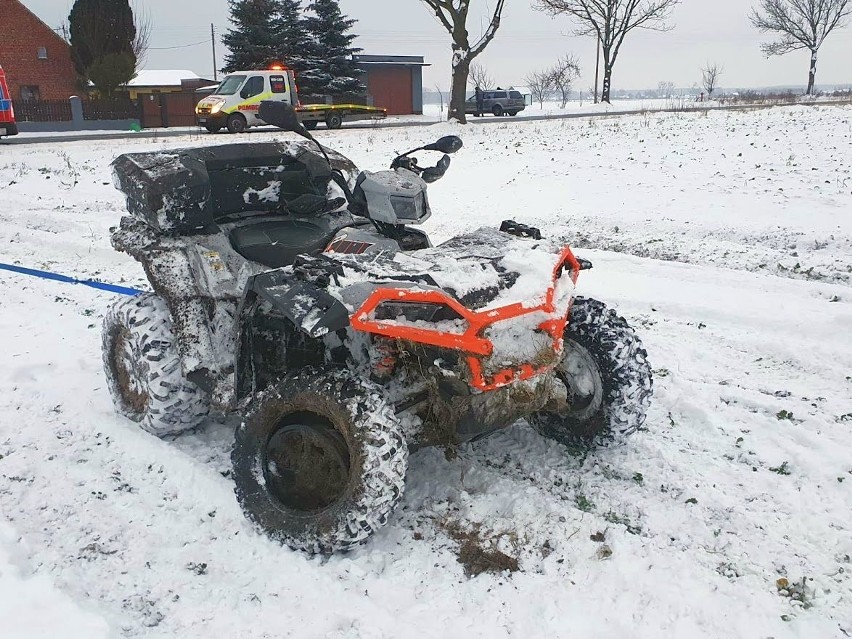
180	46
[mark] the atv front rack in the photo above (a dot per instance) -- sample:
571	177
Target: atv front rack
472	342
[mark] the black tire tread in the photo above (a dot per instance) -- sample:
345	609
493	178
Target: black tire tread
175	405
627	377
373	493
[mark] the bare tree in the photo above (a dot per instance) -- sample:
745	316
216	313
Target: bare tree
540	84
611	21
801	24
452	14
563	74
144	24
479	77
665	89
710	77
440	93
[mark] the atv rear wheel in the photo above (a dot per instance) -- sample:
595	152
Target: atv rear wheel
143	369
609	380
320	460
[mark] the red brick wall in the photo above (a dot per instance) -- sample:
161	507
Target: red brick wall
21	36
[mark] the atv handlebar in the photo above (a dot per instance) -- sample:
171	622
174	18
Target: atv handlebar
447	144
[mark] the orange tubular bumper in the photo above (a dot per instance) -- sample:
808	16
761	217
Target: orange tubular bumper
471	342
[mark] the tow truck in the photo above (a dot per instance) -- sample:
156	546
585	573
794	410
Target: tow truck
235	102
7	112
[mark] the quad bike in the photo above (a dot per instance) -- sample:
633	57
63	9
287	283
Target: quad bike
293	291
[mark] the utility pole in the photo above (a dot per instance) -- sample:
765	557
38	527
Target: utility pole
213	42
597	68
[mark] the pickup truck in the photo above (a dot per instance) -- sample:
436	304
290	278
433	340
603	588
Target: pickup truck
7	113
235	103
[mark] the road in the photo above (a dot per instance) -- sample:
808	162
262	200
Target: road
158	134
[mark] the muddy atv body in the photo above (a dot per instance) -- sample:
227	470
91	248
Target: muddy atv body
290	290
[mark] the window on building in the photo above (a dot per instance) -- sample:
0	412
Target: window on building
42	53
30	93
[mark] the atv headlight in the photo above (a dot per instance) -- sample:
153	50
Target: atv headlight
415	312
408	208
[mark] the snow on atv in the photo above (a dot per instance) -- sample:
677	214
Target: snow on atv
293	291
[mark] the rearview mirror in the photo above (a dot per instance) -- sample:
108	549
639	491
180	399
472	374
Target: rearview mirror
447	144
435	173
282	115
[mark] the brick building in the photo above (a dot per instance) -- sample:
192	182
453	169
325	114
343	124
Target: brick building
36	60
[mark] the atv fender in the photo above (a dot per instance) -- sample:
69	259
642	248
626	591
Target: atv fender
284	334
170	270
311	309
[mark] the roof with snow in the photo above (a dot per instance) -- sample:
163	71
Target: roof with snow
163	78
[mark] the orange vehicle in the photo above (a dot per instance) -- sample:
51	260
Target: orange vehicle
7	112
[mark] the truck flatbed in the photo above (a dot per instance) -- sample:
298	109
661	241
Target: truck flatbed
334	115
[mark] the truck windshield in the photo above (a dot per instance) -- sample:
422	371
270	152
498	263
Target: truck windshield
230	85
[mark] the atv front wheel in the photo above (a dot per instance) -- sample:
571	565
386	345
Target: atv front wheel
143	368
320	460
609	380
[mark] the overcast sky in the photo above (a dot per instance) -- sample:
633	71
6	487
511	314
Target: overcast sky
705	30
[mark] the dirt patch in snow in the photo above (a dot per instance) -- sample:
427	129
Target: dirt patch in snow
478	550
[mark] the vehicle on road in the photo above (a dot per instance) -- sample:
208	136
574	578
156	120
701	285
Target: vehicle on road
235	102
499	102
294	292
8	126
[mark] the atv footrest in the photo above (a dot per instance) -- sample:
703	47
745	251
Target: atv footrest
521	230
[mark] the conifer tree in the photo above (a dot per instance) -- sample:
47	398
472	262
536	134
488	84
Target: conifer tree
330	69
253	40
102	35
291	39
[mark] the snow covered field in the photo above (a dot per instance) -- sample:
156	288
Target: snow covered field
726	239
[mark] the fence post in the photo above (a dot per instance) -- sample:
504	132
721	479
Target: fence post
164	110
76	111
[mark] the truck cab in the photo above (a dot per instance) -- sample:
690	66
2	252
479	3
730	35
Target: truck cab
235	102
7	111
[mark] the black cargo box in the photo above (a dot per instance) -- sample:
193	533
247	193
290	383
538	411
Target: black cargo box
185	191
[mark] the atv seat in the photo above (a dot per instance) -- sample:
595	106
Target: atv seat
276	243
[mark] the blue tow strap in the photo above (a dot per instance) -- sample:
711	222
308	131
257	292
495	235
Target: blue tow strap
112	288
